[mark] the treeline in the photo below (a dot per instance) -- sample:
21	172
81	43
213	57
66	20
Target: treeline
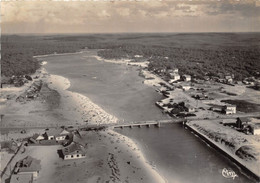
199	62
18	51
193	54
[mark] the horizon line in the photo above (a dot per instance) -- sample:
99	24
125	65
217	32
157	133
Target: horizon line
185	32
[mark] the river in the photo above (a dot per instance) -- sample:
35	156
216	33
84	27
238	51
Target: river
177	154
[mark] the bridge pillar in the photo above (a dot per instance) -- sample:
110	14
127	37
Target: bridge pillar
158	124
148	125
139	126
121	127
131	126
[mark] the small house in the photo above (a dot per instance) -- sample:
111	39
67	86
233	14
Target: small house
36	138
173	71
56	134
174	77
28	165
229	109
242	122
23	178
189	108
74	151
255	129
186	77
229	79
186	87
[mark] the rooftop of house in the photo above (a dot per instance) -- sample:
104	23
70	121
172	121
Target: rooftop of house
56	131
256	125
72	148
24	178
35	136
244	119
189	106
29	164
228	106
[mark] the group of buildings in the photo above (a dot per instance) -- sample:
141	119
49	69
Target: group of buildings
27	169
244	124
73	146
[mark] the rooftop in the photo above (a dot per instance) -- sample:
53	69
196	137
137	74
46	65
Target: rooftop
56	131
28	164
73	147
24	178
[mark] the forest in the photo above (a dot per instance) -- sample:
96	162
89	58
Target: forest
198	54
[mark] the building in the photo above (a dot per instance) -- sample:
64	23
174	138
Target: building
23	178
174	77
186	77
173	71
228	79
189	108
229	109
36	138
255	129
56	134
242	122
186	87
74	151
28	165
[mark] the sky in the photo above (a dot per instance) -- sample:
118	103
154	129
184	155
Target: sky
105	16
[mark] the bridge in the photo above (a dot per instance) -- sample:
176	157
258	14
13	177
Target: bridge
155	123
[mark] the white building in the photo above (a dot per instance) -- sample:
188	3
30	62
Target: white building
73	151
255	129
56	134
186	87
186	77
229	109
174	77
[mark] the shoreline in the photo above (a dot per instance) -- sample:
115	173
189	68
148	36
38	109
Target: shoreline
230	156
61	84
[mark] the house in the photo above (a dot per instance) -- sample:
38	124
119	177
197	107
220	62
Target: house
186	87
36	138
229	109
242	122
74	151
186	77
200	96
174	77
56	134
189	108
24	178
255	129
228	79
28	165
173	71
